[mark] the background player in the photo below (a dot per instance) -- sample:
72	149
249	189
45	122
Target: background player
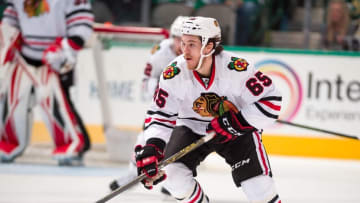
161	55
52	34
208	89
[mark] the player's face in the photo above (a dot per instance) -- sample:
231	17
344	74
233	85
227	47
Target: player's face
177	45
191	46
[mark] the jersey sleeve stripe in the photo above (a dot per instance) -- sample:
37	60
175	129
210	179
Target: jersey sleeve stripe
79	11
271	105
161	114
266	113
79	18
195	119
41	49
29	42
10	17
148	120
157	123
40	37
75	25
271	98
11	12
167	121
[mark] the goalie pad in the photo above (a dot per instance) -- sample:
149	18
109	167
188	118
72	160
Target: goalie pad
16	102
63	127
10	41
58	116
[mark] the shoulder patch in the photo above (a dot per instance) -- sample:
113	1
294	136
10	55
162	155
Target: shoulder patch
238	64
171	71
155	48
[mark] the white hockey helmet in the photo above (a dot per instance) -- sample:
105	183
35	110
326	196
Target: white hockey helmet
204	27
175	28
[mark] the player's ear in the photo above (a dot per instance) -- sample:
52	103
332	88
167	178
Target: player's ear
209	47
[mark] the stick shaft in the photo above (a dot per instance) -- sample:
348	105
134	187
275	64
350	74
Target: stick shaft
162	164
318	129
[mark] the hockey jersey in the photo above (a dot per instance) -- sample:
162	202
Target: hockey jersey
161	56
42	21
184	98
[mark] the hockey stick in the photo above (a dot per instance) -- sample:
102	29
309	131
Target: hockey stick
162	164
318	129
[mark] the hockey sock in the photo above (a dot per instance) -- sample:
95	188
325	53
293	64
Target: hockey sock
197	195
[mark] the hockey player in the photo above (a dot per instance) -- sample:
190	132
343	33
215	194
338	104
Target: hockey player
207	89
161	55
52	31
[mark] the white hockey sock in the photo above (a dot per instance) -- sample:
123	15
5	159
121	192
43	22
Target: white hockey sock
197	195
182	185
260	189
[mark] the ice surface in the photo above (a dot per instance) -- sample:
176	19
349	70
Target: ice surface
298	180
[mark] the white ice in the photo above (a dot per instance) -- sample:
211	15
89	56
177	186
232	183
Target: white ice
298	180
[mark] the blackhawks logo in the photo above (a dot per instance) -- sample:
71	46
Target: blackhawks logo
35	7
238	64
212	105
171	71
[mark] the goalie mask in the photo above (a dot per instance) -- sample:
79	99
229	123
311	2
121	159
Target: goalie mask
205	28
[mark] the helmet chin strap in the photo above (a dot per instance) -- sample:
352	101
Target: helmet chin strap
202	56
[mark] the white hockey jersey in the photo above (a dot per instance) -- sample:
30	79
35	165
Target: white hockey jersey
41	22
183	99
161	56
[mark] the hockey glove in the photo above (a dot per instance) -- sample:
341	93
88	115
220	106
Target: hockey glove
61	56
147	160
228	126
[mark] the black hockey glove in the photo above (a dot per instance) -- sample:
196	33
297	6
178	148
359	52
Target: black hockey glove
147	160
228	126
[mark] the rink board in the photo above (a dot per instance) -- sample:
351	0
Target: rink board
320	89
304	146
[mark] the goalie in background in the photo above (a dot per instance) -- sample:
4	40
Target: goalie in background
209	90
161	55
40	72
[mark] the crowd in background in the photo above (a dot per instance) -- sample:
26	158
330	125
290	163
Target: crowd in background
341	25
255	19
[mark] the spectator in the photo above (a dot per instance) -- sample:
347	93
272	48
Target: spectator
247	14
354	6
255	17
338	26
123	12
196	4
280	13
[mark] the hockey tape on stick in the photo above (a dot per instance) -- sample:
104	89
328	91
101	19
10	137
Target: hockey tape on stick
318	129
162	164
